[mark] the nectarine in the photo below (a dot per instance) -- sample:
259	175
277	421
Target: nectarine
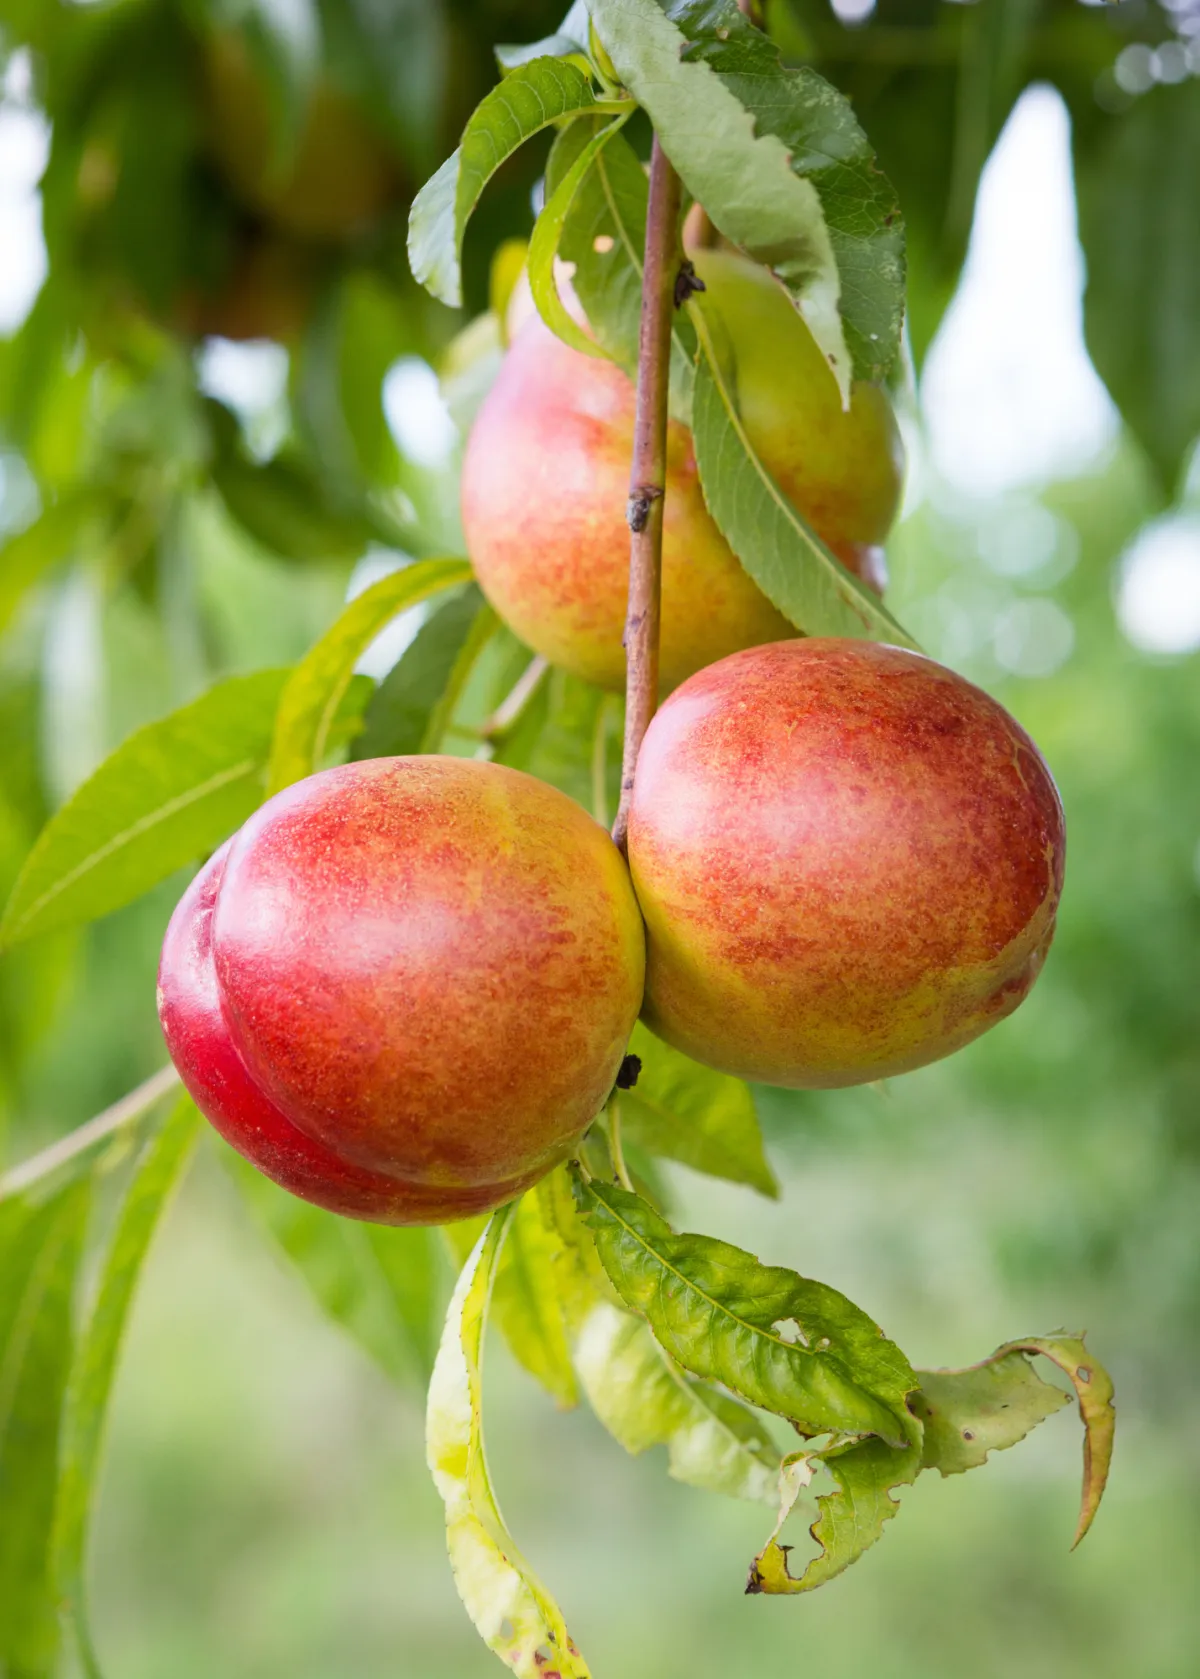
546	476
405	987
849	860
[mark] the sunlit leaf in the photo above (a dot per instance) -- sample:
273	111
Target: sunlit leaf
159	1168
309	703
40	1247
794	1347
528	100
528	1300
695	1115
644	1400
778	160
547	233
508	1605
379	1282
170	793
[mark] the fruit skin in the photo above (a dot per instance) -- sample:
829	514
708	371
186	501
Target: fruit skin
546	477
405	988
849	860
339	178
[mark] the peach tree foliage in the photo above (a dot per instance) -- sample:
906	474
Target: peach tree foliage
673	1338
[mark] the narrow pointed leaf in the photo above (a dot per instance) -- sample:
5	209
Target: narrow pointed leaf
309	703
378	1282
507	1603
530	98
547	234
692	1114
528	1300
776	545
410	709
779	161
170	793
643	1400
791	1346
40	1248
159	1169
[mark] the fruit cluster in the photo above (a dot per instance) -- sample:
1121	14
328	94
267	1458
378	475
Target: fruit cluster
404	990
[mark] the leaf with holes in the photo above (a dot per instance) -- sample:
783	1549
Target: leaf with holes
780	163
793	1347
986	1408
529	99
309	703
692	1114
509	1606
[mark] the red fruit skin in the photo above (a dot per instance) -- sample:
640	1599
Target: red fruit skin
849	860
405	988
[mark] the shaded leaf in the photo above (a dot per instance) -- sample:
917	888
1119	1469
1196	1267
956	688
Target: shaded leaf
160	1167
379	1282
530	98
791	1346
170	793
778	161
411	707
968	1413
1139	222
507	1603
53	537
644	1400
695	1115
569	39
281	506
547	233
309	703
40	1248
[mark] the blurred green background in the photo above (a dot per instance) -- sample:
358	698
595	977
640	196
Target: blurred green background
199	507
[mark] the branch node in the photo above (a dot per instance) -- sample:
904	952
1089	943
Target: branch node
637	508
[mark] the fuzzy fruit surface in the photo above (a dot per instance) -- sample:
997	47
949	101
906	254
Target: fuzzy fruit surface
849	860
546	477
406	986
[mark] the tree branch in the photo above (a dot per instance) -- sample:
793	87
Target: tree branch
647	478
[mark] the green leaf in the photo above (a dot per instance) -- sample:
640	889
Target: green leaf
310	701
529	1303
779	162
379	1282
692	1114
776	545
849	1520
547	233
604	237
796	1348
986	1408
644	1400
169	794
159	1169
412	706
569	40
40	1248
1139	222
507	1603
529	99
1094	1391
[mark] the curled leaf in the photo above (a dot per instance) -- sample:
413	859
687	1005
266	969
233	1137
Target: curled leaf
509	1606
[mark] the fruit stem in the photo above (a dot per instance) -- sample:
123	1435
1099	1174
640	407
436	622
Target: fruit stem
647	477
93	1131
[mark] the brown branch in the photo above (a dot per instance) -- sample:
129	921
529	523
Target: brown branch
648	474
